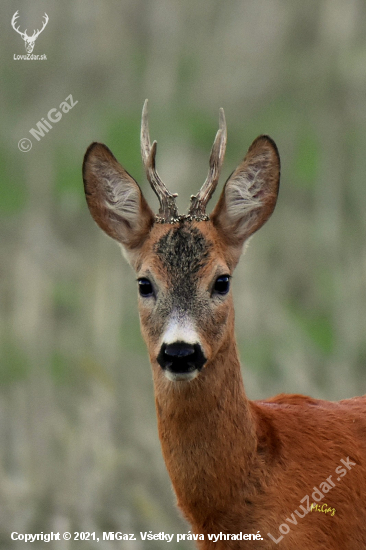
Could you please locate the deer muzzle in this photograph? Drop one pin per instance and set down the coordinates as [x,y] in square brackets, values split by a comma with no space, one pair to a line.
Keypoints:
[181,360]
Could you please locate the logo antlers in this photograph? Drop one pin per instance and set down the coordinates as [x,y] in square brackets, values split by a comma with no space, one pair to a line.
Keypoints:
[29,40]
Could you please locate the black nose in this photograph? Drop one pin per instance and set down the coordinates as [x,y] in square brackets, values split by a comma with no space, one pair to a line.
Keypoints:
[181,357]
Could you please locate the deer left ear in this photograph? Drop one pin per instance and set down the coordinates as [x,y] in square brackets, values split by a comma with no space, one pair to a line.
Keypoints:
[250,194]
[115,200]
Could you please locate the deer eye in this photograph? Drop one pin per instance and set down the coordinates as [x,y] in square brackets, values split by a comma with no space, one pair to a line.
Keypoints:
[222,285]
[145,288]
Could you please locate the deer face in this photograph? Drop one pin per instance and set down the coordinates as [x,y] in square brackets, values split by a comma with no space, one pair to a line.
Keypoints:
[184,297]
[29,44]
[183,263]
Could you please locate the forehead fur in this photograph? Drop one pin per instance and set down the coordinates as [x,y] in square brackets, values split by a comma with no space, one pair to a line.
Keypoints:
[183,249]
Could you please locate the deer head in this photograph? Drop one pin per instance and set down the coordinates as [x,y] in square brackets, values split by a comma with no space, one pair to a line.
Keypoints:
[184,263]
[29,40]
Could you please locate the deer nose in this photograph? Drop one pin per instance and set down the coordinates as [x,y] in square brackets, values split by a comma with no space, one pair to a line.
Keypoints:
[179,349]
[181,358]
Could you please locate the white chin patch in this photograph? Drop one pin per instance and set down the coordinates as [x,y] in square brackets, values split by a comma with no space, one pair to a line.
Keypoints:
[181,376]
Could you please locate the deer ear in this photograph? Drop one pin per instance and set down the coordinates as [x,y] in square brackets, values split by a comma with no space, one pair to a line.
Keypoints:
[114,198]
[250,194]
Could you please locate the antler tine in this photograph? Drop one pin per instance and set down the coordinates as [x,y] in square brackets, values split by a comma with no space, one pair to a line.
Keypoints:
[38,32]
[168,211]
[199,201]
[13,21]
[14,18]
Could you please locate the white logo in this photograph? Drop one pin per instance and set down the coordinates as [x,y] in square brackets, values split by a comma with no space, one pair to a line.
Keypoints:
[29,40]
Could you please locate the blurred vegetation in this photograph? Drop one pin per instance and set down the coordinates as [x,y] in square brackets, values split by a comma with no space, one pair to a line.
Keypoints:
[78,442]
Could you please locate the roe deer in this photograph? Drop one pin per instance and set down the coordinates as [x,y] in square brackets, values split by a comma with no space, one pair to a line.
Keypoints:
[245,473]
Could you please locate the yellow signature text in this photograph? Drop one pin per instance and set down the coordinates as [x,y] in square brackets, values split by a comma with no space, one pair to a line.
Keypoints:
[322,508]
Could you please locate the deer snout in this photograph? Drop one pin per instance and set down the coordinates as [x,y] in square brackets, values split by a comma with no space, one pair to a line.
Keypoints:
[181,360]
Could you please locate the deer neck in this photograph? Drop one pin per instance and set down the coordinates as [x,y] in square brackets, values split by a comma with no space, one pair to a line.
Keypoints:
[208,435]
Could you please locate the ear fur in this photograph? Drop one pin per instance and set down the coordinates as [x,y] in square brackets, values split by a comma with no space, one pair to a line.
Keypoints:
[249,195]
[114,198]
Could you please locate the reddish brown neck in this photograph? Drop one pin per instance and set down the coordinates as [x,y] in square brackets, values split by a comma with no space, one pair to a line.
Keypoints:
[208,436]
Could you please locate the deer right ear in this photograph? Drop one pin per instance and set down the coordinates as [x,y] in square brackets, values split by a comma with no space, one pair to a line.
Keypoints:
[114,198]
[249,195]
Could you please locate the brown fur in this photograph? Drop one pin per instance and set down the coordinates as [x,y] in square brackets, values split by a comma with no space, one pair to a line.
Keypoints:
[237,466]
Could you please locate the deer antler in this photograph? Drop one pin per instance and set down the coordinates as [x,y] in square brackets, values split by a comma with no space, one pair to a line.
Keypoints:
[38,32]
[197,210]
[168,211]
[14,18]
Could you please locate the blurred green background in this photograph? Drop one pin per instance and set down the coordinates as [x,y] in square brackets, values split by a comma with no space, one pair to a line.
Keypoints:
[79,449]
